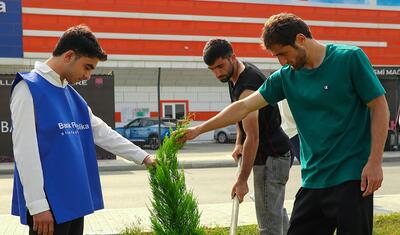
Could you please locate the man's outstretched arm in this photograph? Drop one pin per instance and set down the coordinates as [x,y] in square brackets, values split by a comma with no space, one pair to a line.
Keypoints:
[230,115]
[110,140]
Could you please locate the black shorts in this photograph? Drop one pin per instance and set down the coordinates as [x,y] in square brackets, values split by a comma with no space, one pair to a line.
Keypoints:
[294,145]
[341,207]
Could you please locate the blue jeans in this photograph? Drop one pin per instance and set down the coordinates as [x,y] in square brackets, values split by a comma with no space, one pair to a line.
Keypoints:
[269,194]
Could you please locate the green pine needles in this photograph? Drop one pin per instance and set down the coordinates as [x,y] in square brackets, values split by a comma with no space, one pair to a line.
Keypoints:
[175,210]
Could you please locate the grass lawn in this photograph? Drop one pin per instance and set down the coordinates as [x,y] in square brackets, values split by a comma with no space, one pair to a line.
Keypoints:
[383,225]
[387,224]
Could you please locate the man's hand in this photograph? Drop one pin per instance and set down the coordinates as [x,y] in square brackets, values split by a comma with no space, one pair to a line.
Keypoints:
[43,223]
[371,177]
[237,152]
[240,189]
[188,134]
[150,161]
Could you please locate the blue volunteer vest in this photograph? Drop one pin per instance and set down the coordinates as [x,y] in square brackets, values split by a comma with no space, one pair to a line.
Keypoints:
[67,152]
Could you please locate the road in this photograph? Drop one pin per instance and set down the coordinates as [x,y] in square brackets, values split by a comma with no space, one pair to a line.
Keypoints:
[130,189]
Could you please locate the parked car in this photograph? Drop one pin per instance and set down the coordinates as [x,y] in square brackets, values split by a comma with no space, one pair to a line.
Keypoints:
[144,131]
[226,134]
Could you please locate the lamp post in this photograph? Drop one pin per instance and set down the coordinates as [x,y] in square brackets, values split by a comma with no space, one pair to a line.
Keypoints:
[159,105]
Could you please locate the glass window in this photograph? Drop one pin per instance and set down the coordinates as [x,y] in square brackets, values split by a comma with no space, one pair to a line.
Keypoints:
[180,111]
[146,122]
[134,123]
[168,113]
[174,109]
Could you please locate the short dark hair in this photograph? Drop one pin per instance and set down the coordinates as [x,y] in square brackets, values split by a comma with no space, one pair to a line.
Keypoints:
[82,41]
[282,29]
[216,48]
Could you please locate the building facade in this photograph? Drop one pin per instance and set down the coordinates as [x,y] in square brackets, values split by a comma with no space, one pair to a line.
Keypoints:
[142,36]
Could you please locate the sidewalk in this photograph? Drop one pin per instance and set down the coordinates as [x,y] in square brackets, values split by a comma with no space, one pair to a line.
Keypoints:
[113,221]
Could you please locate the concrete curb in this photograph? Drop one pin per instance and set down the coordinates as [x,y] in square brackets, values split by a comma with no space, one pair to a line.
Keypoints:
[7,170]
[183,164]
[391,159]
[198,164]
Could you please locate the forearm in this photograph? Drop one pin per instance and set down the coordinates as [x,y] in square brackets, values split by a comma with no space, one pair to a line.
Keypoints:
[379,127]
[238,135]
[230,115]
[250,147]
[233,113]
[118,145]
[105,137]
[379,130]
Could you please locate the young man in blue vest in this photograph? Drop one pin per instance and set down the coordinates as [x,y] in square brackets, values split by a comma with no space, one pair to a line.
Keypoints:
[342,119]
[56,179]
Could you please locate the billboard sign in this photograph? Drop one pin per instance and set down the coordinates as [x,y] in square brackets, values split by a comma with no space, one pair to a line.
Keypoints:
[390,79]
[11,29]
[98,92]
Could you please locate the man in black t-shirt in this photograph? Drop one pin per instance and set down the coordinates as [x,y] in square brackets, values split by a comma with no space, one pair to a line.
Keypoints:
[260,140]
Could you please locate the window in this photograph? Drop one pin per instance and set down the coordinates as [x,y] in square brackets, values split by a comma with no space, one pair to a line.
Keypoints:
[174,109]
[168,113]
[134,123]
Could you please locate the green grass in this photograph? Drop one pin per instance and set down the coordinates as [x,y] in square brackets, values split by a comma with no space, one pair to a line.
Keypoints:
[242,230]
[383,225]
[387,224]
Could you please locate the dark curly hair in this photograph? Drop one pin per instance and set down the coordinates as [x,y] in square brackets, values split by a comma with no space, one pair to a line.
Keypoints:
[82,41]
[282,29]
[216,48]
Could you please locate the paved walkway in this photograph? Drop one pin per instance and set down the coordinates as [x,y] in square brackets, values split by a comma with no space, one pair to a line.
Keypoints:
[113,221]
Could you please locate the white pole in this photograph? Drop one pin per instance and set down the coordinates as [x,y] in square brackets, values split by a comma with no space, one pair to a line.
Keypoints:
[235,205]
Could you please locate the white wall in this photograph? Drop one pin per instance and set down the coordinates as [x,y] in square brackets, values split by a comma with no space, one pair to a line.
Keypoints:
[136,88]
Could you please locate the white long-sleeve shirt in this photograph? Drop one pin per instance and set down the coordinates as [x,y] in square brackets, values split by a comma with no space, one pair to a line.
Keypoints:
[25,144]
[288,123]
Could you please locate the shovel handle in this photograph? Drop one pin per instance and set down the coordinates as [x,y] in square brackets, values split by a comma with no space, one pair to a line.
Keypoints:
[235,205]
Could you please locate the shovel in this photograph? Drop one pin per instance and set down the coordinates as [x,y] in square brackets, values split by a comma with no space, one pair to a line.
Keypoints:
[235,204]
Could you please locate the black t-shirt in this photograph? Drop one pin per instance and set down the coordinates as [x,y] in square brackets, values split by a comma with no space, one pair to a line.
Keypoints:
[272,139]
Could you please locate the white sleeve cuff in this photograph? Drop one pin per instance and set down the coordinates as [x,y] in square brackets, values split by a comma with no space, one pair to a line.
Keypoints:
[141,155]
[38,206]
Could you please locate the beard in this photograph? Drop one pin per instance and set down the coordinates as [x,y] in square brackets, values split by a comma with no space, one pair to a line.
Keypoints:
[229,75]
[301,59]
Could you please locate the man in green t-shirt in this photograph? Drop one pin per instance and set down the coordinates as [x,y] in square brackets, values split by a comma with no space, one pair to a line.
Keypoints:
[342,118]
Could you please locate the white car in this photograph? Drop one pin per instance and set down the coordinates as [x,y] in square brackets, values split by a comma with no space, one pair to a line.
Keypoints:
[226,134]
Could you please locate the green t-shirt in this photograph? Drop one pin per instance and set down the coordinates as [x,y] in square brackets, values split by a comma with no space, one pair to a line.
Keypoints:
[329,105]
